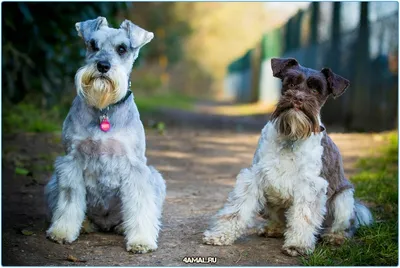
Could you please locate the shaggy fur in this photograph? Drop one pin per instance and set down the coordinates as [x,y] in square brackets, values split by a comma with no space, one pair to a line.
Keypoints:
[104,175]
[296,180]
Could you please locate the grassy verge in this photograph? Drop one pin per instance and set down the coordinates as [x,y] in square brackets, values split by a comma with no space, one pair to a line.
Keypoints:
[377,185]
[28,117]
[147,103]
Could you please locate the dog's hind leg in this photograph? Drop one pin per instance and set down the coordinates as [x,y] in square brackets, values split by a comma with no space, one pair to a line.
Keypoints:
[347,215]
[51,197]
[142,195]
[66,199]
[158,184]
[237,214]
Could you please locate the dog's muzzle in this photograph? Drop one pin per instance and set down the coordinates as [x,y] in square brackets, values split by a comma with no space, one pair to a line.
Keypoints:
[100,85]
[296,116]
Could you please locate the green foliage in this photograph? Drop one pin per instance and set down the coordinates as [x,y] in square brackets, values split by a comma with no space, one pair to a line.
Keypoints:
[28,117]
[169,28]
[378,181]
[41,53]
[41,49]
[147,82]
[377,244]
[154,102]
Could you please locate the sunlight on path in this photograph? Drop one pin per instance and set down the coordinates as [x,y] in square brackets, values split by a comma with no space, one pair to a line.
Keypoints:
[235,109]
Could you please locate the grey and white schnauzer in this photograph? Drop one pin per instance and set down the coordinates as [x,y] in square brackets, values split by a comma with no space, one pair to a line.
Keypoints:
[104,174]
[296,180]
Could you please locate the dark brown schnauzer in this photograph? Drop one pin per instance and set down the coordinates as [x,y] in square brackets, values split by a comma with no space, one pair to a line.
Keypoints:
[300,189]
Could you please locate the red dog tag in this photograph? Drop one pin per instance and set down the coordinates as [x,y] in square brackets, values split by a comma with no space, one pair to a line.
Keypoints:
[105,124]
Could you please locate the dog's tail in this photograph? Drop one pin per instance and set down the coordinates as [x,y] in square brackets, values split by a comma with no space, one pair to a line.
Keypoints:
[363,214]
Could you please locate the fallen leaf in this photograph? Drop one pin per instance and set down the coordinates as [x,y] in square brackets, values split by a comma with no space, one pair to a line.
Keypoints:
[74,259]
[160,127]
[21,171]
[27,232]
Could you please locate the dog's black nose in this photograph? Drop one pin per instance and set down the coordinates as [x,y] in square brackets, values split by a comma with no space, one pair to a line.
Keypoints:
[103,66]
[298,99]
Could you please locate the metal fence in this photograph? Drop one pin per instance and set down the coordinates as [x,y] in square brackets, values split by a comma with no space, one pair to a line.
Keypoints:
[358,40]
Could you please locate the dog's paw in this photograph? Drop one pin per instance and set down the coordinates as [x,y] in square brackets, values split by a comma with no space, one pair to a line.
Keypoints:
[119,229]
[218,239]
[271,231]
[88,227]
[61,235]
[334,239]
[140,248]
[294,251]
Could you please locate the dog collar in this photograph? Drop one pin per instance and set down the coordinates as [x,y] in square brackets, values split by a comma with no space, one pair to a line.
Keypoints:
[105,124]
[121,100]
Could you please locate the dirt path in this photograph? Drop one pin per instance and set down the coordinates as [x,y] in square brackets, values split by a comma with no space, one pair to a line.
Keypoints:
[200,168]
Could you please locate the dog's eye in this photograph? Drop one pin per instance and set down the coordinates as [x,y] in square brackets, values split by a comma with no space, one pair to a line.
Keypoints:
[93,45]
[315,89]
[291,85]
[121,49]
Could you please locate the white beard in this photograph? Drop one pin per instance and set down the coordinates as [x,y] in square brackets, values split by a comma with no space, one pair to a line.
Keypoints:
[293,125]
[100,91]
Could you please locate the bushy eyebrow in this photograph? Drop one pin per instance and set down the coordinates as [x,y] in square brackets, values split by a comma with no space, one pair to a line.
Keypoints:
[314,81]
[294,78]
[119,40]
[123,44]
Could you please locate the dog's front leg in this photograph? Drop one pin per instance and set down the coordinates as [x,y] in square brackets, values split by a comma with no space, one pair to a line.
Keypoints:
[305,217]
[70,200]
[237,214]
[140,211]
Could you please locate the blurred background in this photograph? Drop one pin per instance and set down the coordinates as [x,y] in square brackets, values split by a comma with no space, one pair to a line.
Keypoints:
[358,40]
[206,57]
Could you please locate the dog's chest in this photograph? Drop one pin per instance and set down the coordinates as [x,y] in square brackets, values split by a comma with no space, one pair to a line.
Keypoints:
[102,161]
[289,168]
[92,148]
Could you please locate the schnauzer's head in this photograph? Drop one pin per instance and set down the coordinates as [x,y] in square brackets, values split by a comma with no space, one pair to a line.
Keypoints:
[110,54]
[304,92]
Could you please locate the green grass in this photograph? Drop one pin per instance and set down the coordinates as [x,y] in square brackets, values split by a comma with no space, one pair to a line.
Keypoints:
[377,185]
[26,117]
[152,103]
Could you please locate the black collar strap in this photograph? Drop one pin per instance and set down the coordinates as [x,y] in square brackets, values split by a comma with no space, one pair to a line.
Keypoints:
[105,110]
[128,93]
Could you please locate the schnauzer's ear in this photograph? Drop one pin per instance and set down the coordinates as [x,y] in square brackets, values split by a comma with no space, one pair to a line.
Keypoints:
[278,65]
[336,84]
[138,36]
[86,28]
